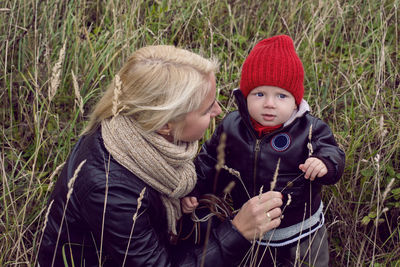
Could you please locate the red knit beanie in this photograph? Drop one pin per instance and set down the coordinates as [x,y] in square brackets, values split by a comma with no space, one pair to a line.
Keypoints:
[274,62]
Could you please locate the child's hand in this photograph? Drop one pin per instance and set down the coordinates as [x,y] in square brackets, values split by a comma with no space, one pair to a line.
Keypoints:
[313,168]
[189,204]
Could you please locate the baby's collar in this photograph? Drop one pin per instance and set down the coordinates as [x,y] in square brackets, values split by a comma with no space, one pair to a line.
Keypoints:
[303,108]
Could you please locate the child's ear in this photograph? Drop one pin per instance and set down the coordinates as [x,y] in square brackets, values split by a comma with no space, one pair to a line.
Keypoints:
[165,130]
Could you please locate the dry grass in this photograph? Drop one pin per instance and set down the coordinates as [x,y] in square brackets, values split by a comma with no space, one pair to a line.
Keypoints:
[350,52]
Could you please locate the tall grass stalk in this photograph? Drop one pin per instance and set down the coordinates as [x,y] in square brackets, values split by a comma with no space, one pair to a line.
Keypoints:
[350,52]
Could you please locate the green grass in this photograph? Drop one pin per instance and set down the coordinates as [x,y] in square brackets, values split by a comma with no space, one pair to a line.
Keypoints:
[350,52]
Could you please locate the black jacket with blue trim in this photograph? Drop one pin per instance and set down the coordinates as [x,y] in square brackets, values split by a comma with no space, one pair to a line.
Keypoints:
[256,160]
[97,220]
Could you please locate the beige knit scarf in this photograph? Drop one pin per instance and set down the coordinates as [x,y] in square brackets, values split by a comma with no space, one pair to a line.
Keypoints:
[166,167]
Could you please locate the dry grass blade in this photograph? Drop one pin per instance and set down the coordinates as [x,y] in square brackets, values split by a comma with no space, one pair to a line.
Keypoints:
[56,74]
[237,175]
[309,145]
[46,217]
[228,189]
[70,186]
[387,189]
[139,204]
[72,180]
[78,97]
[260,191]
[117,94]
[55,172]
[218,166]
[275,178]
[221,152]
[289,200]
[350,57]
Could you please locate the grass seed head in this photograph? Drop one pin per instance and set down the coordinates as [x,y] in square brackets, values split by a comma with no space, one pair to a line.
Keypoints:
[46,217]
[72,181]
[56,74]
[289,200]
[78,97]
[309,145]
[229,187]
[387,189]
[139,203]
[221,152]
[275,178]
[117,93]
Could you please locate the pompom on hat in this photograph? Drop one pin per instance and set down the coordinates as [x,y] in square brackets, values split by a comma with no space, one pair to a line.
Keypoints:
[274,62]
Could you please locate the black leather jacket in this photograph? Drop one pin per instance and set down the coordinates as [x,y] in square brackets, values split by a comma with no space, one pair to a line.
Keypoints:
[256,160]
[98,217]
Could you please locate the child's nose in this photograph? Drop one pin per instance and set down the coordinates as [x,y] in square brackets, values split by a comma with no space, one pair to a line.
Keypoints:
[269,102]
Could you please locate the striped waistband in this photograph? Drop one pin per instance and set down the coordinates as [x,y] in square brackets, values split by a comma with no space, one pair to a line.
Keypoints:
[285,236]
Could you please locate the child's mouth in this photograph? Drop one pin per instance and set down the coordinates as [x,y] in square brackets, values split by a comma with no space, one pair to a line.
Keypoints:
[268,117]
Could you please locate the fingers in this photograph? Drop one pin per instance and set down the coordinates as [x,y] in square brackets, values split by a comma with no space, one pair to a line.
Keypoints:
[273,214]
[186,207]
[271,220]
[186,210]
[193,201]
[259,215]
[275,222]
[313,168]
[268,196]
[269,200]
[189,204]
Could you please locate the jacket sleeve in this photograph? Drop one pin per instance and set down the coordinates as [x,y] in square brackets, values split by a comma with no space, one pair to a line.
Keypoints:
[205,163]
[226,247]
[113,223]
[139,243]
[326,149]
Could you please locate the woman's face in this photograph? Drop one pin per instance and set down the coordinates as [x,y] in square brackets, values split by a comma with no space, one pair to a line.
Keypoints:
[196,122]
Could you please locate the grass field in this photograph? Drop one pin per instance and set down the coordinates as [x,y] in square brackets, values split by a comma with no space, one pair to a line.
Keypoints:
[58,56]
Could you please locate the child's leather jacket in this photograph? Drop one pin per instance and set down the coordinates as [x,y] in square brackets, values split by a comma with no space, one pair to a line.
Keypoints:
[256,160]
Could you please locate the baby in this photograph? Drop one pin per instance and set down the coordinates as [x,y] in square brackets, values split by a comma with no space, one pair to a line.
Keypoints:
[271,131]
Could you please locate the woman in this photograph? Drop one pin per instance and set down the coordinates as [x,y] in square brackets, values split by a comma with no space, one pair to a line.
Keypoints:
[117,199]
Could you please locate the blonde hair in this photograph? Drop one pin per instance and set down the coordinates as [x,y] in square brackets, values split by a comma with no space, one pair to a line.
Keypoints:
[157,85]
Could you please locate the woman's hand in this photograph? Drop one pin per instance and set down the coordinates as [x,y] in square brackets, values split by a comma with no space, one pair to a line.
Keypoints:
[259,215]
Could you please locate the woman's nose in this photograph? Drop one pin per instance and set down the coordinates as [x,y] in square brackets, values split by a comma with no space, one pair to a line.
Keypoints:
[216,110]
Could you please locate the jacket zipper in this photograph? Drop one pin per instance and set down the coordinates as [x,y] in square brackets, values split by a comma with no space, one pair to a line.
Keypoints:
[256,152]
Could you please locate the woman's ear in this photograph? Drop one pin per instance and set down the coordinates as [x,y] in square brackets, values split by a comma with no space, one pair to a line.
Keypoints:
[165,130]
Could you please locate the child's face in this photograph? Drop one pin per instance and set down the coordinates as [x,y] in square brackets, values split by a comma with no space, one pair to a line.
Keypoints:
[270,105]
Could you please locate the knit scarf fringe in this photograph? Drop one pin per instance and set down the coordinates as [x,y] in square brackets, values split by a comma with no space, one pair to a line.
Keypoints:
[164,166]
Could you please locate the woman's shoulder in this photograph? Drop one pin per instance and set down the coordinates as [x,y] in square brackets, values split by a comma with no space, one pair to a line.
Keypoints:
[100,169]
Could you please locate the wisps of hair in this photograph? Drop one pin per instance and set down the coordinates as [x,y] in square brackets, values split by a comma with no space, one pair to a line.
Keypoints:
[158,84]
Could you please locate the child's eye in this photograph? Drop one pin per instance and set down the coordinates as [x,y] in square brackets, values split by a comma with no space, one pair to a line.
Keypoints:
[259,94]
[282,96]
